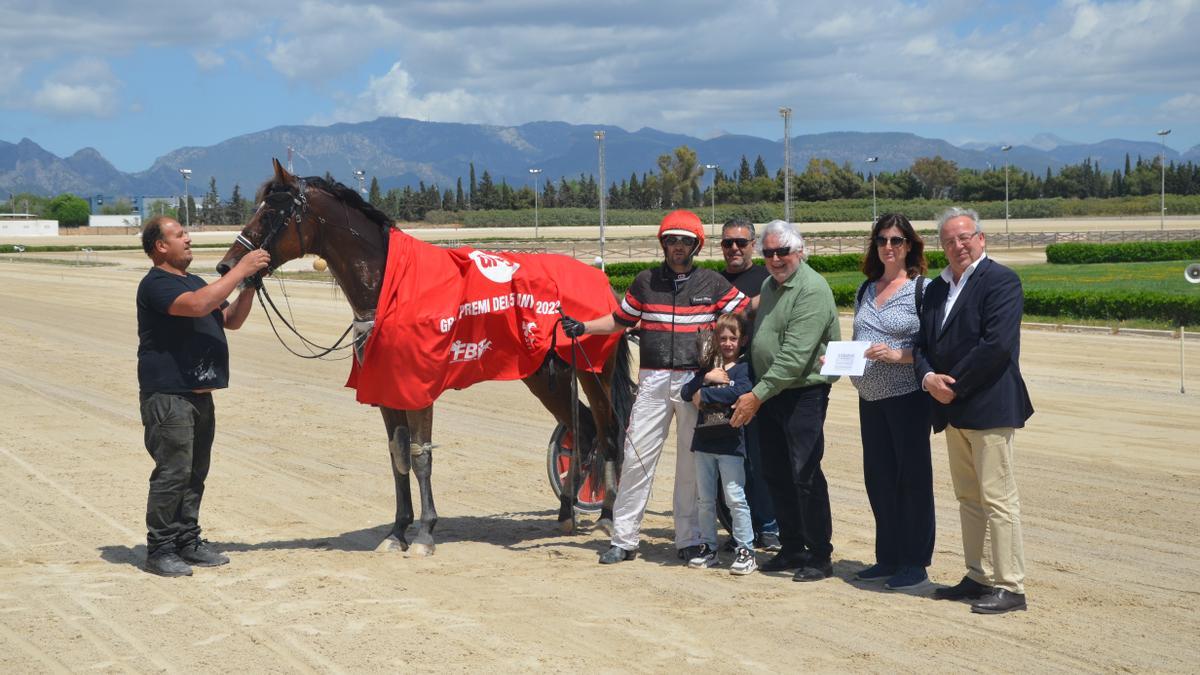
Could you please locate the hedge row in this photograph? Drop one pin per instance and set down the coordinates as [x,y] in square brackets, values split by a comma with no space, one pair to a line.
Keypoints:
[838,210]
[1116,305]
[835,262]
[1082,254]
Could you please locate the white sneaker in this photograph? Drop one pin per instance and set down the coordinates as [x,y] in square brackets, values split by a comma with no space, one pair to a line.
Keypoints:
[743,562]
[706,559]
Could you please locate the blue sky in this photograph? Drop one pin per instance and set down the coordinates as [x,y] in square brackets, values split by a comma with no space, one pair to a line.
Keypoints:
[137,79]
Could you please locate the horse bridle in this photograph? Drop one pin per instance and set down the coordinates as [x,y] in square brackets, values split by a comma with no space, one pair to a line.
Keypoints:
[284,208]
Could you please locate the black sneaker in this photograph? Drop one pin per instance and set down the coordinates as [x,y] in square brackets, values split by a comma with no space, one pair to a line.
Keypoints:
[769,541]
[785,561]
[167,565]
[199,553]
[688,552]
[814,570]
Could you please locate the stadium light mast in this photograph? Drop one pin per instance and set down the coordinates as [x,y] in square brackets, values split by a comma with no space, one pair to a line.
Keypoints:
[1005,148]
[786,113]
[713,168]
[361,176]
[874,204]
[599,134]
[534,173]
[1162,205]
[187,206]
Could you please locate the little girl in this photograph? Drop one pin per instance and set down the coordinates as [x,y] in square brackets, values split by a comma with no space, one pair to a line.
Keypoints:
[718,448]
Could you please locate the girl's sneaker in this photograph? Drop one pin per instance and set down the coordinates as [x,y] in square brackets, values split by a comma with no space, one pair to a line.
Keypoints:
[743,562]
[707,557]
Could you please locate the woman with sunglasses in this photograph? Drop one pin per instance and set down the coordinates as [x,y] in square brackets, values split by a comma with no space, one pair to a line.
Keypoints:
[894,414]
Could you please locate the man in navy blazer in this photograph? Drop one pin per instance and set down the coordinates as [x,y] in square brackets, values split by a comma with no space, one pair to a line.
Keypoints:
[966,356]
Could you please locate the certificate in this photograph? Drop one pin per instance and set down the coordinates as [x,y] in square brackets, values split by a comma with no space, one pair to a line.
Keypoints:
[845,358]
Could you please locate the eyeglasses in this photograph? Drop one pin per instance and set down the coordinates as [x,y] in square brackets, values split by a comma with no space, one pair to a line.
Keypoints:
[780,252]
[961,240]
[730,243]
[677,239]
[894,242]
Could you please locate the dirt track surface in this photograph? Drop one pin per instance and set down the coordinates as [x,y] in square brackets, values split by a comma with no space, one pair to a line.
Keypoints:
[300,494]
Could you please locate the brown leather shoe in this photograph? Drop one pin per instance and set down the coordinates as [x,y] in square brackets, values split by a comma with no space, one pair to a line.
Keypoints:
[999,602]
[967,589]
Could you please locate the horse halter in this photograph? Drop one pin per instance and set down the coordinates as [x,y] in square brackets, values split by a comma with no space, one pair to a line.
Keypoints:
[282,208]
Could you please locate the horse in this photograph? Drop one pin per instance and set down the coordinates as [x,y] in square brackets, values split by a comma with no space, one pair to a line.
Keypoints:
[297,216]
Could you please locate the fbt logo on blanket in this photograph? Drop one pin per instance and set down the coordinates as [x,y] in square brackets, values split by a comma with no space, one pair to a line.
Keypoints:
[468,351]
[494,267]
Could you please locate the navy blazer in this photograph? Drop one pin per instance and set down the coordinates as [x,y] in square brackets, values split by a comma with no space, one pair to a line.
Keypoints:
[979,346]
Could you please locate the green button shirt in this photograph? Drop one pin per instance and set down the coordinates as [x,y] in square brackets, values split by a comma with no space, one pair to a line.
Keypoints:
[795,320]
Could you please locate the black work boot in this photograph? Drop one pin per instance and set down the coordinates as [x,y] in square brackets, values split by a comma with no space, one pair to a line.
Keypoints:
[199,553]
[167,565]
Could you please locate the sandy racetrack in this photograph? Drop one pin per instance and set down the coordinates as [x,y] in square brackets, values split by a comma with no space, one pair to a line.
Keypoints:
[300,493]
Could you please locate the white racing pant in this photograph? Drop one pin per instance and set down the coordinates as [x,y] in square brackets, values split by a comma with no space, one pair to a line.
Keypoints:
[656,404]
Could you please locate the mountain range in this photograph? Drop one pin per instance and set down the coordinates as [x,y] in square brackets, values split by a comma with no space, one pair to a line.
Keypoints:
[399,152]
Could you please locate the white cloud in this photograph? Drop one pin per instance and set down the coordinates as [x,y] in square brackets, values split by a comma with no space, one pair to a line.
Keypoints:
[207,59]
[1184,107]
[84,89]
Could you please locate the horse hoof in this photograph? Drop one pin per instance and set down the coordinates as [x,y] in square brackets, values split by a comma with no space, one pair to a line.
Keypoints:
[566,526]
[606,525]
[421,550]
[392,543]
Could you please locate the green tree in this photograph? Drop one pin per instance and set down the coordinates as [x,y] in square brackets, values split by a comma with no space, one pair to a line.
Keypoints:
[939,176]
[237,206]
[374,196]
[68,210]
[471,194]
[744,174]
[210,206]
[760,168]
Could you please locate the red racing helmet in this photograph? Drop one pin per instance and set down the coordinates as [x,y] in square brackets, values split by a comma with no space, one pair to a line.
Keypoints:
[685,223]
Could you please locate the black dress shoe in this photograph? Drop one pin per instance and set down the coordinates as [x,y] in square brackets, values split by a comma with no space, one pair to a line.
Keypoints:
[967,589]
[781,562]
[999,602]
[814,571]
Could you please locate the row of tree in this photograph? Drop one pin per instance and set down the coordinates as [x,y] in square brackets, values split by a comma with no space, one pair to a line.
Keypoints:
[677,184]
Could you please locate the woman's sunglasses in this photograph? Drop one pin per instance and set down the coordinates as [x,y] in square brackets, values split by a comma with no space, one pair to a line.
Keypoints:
[894,242]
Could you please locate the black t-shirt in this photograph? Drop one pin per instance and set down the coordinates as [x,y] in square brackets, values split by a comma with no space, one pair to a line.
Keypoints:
[178,354]
[748,281]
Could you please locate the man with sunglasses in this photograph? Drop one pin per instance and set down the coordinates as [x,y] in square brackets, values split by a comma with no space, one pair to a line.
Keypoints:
[672,303]
[737,245]
[796,319]
[966,356]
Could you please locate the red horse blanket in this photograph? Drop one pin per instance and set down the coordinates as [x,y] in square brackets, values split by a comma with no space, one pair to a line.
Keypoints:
[448,318]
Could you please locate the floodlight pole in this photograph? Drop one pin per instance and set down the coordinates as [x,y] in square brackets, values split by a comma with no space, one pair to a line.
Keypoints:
[874,205]
[361,176]
[786,113]
[187,206]
[1162,216]
[1005,148]
[713,168]
[599,134]
[534,173]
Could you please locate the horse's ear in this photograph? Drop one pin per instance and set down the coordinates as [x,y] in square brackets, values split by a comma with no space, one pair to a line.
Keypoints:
[281,174]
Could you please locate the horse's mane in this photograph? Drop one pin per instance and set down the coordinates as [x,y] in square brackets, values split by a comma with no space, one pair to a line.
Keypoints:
[347,195]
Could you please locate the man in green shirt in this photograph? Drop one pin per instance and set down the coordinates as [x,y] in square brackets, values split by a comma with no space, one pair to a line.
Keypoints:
[796,319]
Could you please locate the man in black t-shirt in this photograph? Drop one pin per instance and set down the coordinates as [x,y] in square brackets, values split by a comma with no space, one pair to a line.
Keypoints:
[737,245]
[182,358]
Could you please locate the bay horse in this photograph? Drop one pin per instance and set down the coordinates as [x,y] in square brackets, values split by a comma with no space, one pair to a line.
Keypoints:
[298,216]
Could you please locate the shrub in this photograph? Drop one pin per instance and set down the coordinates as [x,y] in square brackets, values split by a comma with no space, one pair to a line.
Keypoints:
[1081,253]
[1118,305]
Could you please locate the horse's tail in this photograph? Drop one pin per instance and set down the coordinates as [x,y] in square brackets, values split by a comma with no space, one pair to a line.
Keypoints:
[623,389]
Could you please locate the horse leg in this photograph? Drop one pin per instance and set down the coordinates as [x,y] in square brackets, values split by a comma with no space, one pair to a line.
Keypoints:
[597,390]
[551,386]
[420,425]
[398,444]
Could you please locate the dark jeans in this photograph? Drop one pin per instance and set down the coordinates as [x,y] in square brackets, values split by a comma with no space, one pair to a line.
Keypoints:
[762,510]
[899,476]
[792,440]
[179,436]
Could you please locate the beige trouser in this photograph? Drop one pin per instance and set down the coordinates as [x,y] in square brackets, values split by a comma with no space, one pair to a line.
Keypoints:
[981,465]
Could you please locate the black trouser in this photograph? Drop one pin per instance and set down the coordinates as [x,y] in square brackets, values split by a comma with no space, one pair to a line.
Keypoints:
[179,436]
[762,510]
[792,438]
[899,476]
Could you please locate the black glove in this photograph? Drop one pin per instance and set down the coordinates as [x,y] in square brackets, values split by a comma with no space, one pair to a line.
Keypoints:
[572,327]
